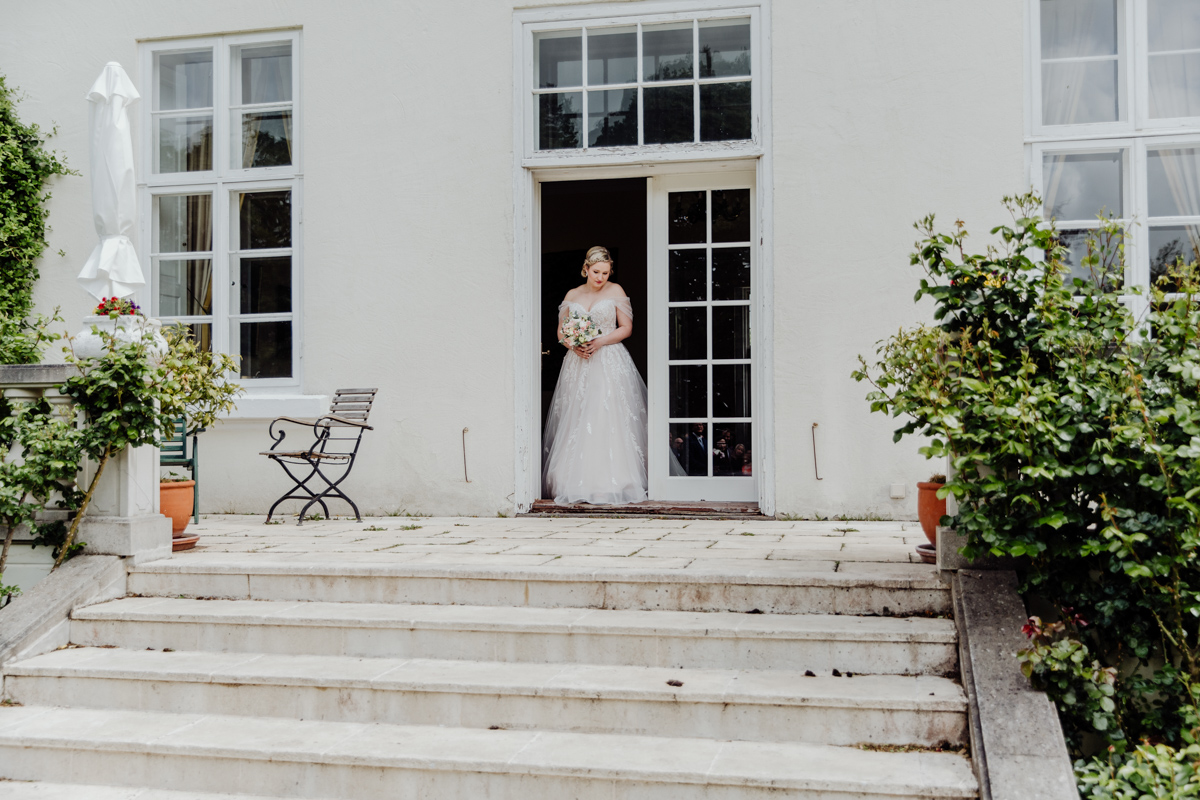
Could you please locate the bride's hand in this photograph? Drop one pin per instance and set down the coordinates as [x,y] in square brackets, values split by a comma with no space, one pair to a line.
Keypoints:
[582,351]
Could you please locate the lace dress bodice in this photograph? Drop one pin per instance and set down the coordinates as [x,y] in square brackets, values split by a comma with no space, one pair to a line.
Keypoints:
[603,311]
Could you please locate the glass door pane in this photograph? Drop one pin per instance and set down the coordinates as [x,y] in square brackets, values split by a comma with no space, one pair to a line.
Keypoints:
[704,358]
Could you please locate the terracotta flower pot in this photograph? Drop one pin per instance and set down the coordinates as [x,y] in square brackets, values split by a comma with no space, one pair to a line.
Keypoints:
[175,499]
[930,509]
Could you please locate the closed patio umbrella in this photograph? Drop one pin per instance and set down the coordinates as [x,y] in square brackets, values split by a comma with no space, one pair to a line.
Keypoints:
[112,270]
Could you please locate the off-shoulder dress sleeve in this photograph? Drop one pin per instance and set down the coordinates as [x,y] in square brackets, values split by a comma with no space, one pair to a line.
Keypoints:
[625,306]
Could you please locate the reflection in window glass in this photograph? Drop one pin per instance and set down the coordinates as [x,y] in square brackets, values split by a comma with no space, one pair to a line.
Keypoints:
[612,118]
[1079,186]
[1169,247]
[559,120]
[688,391]
[731,449]
[1078,92]
[690,445]
[1173,182]
[612,56]
[185,80]
[667,114]
[1173,25]
[731,390]
[724,49]
[184,223]
[265,219]
[266,139]
[667,51]
[1079,28]
[687,218]
[267,74]
[185,287]
[266,285]
[1110,275]
[184,144]
[724,111]
[1174,30]
[731,215]
[266,349]
[686,279]
[560,59]
[731,332]
[731,273]
[687,335]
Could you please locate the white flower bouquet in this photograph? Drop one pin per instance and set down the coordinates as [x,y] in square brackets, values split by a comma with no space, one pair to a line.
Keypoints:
[579,329]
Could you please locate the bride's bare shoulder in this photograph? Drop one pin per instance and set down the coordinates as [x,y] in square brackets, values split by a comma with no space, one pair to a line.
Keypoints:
[616,290]
[572,294]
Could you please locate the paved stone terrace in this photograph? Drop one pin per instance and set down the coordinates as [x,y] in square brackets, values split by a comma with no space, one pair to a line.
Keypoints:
[601,543]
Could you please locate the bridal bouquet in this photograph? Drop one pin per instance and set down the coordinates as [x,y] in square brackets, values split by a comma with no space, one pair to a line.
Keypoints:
[579,329]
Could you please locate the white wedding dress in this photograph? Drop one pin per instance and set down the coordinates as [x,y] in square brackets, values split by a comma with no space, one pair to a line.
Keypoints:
[594,446]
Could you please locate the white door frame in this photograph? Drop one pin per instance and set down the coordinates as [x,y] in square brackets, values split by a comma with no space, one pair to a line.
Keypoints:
[662,485]
[527,308]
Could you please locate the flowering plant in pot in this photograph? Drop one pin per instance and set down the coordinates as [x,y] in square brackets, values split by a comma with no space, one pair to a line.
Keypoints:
[133,390]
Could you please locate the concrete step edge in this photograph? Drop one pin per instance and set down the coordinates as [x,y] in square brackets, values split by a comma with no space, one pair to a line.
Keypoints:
[578,757]
[577,681]
[822,627]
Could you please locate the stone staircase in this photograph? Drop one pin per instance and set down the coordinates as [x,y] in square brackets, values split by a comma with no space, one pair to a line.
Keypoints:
[232,674]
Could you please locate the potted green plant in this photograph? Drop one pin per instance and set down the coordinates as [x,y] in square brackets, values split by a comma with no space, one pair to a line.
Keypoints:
[930,511]
[132,392]
[176,498]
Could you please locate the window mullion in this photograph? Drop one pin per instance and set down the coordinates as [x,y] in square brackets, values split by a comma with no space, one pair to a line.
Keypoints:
[583,82]
[641,79]
[220,267]
[695,80]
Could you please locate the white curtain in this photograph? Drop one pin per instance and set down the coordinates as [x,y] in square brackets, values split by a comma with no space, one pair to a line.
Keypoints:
[1062,83]
[1174,79]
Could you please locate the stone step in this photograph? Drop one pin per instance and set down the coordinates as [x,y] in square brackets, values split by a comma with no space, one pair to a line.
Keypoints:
[716,584]
[38,790]
[294,758]
[716,640]
[717,704]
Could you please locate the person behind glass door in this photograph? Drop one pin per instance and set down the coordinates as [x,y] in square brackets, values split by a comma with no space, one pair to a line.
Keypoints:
[697,451]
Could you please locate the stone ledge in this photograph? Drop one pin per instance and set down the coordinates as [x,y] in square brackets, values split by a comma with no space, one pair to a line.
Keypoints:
[28,623]
[12,375]
[1017,743]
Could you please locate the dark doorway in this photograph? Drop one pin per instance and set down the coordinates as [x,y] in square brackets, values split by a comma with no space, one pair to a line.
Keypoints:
[575,216]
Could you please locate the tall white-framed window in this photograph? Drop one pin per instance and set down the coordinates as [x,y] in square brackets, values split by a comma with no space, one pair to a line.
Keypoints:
[679,81]
[1115,127]
[222,187]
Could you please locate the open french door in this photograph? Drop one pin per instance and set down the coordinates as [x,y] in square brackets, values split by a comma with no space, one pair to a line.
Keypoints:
[704,252]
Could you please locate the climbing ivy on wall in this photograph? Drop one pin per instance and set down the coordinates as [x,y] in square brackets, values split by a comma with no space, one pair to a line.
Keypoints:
[26,166]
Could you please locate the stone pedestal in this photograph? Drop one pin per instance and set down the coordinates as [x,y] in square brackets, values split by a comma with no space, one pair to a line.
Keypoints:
[123,517]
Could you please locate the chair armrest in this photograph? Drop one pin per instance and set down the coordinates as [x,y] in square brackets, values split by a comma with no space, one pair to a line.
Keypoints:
[345,421]
[308,422]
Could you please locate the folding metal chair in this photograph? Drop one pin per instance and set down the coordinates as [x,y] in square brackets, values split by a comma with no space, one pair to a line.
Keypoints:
[338,435]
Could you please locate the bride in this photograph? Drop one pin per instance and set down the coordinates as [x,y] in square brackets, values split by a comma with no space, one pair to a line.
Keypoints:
[594,447]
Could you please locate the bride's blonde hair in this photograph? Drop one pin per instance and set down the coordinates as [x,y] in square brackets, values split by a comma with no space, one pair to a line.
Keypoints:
[596,255]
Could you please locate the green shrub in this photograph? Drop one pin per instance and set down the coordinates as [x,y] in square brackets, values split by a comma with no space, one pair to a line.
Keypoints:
[1149,771]
[25,168]
[1074,440]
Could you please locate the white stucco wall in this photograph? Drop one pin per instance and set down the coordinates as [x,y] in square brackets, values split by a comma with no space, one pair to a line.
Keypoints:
[883,111]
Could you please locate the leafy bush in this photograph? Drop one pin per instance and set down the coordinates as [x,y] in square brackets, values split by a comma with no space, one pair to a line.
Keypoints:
[1149,771]
[132,393]
[1074,440]
[39,458]
[25,168]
